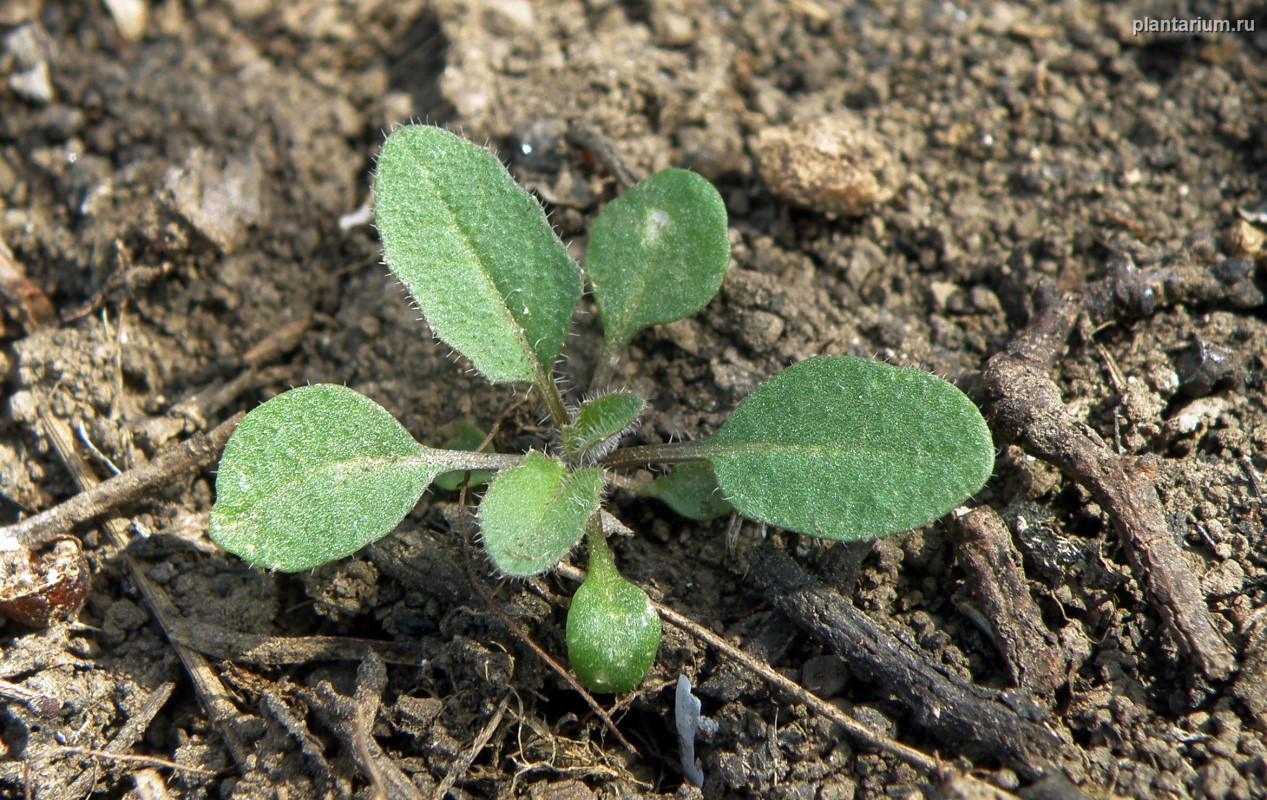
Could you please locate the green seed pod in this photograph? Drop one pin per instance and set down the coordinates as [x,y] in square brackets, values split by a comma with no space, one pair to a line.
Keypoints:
[613,633]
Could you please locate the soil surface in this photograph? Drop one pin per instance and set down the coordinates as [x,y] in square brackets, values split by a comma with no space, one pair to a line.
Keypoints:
[190,190]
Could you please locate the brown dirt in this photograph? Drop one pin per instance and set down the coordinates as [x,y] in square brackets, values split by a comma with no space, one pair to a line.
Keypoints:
[185,192]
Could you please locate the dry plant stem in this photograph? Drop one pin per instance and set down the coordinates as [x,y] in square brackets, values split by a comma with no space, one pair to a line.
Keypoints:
[858,732]
[120,285]
[319,770]
[127,736]
[39,704]
[463,764]
[969,718]
[1025,406]
[586,136]
[522,635]
[223,644]
[211,691]
[350,719]
[255,374]
[197,452]
[202,406]
[997,577]
[371,680]
[279,341]
[122,758]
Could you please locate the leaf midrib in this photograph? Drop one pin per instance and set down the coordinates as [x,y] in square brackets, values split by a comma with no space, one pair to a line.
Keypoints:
[712,448]
[467,240]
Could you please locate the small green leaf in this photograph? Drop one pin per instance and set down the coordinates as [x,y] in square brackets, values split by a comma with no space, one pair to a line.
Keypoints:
[613,633]
[475,251]
[848,449]
[657,254]
[463,436]
[691,490]
[599,425]
[533,514]
[315,474]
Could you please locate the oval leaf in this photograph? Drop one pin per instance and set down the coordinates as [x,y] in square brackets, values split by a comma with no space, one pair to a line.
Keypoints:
[657,254]
[848,449]
[315,474]
[599,425]
[475,251]
[533,514]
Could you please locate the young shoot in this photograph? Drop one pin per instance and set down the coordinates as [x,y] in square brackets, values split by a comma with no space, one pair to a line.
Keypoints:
[837,447]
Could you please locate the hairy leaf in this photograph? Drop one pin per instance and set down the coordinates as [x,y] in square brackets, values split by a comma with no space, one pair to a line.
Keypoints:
[533,514]
[657,253]
[691,490]
[315,474]
[475,251]
[599,424]
[848,449]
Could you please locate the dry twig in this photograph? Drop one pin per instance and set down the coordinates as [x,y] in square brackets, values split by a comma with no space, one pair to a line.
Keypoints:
[350,720]
[997,578]
[222,713]
[223,644]
[123,758]
[967,717]
[197,452]
[1024,404]
[463,764]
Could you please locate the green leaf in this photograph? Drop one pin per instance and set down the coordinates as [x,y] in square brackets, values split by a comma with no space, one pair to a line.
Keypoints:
[533,514]
[463,436]
[315,474]
[657,254]
[848,449]
[613,633]
[691,490]
[475,251]
[599,425]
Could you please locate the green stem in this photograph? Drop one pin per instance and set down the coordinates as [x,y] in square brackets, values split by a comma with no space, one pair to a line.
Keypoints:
[606,366]
[634,486]
[602,563]
[549,391]
[669,453]
[455,460]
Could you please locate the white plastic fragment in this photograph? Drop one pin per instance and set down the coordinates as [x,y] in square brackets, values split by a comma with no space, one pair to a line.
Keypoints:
[689,721]
[361,216]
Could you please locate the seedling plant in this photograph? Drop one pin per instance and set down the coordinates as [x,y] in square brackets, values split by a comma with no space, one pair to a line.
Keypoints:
[837,447]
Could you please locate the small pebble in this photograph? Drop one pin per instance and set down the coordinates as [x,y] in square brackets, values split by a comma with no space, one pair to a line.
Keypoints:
[834,165]
[1245,240]
[1202,366]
